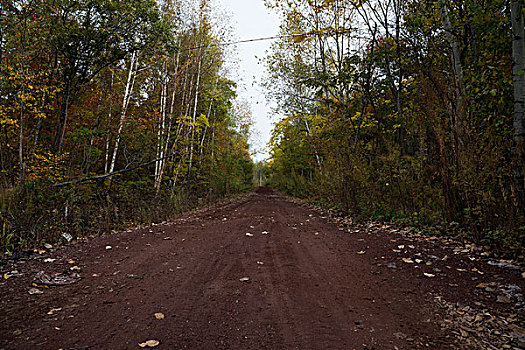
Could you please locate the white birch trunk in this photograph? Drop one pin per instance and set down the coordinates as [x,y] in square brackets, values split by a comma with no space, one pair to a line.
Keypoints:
[458,72]
[162,127]
[125,102]
[194,118]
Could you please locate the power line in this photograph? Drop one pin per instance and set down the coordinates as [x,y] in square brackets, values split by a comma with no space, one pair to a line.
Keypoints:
[272,38]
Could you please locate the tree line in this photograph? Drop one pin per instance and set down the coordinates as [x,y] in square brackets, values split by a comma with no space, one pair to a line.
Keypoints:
[404,110]
[112,113]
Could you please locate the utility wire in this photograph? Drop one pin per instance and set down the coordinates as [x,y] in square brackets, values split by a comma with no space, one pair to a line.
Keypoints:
[272,38]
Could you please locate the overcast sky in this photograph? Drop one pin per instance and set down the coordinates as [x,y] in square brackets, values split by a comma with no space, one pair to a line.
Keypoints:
[251,19]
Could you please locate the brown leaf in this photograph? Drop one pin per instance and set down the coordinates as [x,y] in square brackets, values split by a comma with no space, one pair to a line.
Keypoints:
[503,299]
[33,291]
[159,316]
[149,344]
[53,310]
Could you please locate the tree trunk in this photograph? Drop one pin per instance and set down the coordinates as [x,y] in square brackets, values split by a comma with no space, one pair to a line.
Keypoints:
[22,106]
[171,114]
[518,55]
[194,118]
[458,73]
[125,102]
[162,127]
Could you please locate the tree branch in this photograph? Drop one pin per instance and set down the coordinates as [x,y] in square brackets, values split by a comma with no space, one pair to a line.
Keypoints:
[122,171]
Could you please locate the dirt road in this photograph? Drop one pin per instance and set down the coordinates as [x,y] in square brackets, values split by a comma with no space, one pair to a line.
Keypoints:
[258,273]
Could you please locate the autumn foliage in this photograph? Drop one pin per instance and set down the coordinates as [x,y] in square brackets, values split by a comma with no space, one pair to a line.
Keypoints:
[113,113]
[402,110]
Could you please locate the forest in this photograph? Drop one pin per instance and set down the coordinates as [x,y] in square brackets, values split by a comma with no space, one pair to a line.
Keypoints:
[113,113]
[138,210]
[406,111]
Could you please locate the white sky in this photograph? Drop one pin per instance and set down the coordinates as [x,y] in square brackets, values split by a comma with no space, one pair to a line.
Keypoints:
[250,20]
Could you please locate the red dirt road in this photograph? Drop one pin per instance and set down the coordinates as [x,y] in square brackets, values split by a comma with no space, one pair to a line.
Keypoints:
[309,287]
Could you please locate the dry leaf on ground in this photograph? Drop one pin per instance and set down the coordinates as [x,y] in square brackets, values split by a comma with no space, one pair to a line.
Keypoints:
[149,344]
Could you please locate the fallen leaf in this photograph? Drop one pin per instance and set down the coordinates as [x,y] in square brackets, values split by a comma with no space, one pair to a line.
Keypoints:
[453,285]
[108,247]
[56,279]
[408,260]
[523,275]
[149,344]
[33,291]
[71,261]
[429,275]
[49,260]
[244,279]
[159,316]
[53,310]
[461,270]
[248,234]
[265,232]
[361,252]
[48,246]
[260,263]
[503,299]
[17,332]
[75,268]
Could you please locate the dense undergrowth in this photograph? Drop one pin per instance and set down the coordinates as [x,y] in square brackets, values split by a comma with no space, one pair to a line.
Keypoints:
[130,101]
[413,113]
[40,213]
